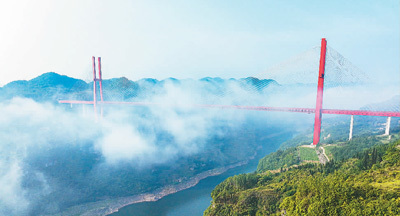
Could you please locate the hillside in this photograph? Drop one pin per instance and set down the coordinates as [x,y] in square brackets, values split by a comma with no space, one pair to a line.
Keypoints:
[366,183]
[46,87]
[51,87]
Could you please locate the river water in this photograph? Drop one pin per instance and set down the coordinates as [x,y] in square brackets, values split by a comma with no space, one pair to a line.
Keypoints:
[193,201]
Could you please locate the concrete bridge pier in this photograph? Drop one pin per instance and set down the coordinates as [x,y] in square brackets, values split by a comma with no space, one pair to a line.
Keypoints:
[351,127]
[387,130]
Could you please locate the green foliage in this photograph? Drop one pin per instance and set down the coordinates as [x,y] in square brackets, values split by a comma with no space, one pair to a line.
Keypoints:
[239,198]
[338,194]
[328,150]
[369,158]
[353,147]
[308,154]
[367,184]
[279,159]
[286,158]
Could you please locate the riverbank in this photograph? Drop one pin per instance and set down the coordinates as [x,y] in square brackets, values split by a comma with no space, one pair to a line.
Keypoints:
[110,206]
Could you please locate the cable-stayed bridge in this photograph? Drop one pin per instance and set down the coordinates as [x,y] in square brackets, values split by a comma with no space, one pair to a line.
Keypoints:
[340,70]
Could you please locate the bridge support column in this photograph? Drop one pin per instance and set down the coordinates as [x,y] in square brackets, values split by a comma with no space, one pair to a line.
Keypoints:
[320,93]
[351,127]
[387,130]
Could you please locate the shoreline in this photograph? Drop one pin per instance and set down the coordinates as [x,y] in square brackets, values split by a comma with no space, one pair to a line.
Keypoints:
[108,207]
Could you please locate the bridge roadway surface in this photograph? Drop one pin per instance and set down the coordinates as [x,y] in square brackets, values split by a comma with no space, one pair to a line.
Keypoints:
[258,108]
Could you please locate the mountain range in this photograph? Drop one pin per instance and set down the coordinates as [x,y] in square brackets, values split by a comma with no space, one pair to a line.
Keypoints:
[51,87]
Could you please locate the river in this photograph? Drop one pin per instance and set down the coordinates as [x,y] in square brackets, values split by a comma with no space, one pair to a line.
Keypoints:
[195,200]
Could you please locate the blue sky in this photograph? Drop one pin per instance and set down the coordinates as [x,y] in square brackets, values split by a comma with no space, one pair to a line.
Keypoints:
[192,39]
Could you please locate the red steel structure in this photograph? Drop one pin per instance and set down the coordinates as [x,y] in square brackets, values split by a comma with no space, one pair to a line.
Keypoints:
[94,85]
[320,93]
[318,110]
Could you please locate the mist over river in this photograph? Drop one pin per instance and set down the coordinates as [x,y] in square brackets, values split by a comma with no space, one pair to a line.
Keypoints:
[60,160]
[195,200]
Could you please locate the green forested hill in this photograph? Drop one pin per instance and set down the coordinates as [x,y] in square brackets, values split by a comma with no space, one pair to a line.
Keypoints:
[300,154]
[366,184]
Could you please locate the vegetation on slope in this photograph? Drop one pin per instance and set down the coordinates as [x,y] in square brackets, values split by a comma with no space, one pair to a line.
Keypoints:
[366,183]
[279,159]
[307,154]
[286,158]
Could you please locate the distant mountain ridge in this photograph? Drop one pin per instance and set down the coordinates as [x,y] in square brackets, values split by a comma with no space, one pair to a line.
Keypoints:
[393,104]
[45,87]
[52,87]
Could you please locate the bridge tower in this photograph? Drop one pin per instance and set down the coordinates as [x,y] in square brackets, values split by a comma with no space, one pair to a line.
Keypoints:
[101,86]
[95,80]
[94,87]
[320,93]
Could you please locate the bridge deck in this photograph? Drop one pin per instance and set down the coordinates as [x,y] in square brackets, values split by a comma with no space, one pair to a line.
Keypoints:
[259,108]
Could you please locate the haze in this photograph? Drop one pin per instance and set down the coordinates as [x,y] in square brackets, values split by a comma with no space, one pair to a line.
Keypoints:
[191,39]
